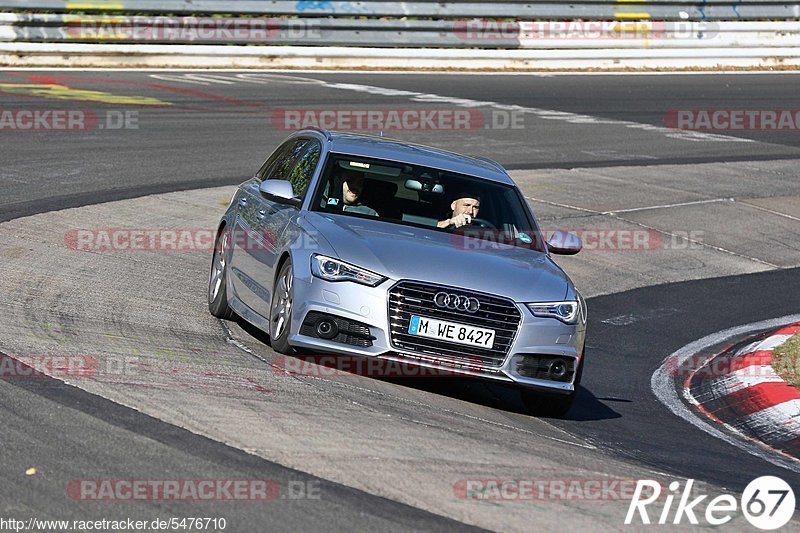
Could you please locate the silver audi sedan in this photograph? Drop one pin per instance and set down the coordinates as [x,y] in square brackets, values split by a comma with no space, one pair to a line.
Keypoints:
[356,245]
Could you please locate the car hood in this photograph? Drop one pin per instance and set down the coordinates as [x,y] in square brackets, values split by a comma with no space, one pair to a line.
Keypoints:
[405,252]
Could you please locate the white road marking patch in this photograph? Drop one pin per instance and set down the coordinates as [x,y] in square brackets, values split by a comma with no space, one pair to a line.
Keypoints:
[547,114]
[616,154]
[189,78]
[627,320]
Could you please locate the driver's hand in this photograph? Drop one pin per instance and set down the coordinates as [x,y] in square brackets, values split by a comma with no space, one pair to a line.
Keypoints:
[461,220]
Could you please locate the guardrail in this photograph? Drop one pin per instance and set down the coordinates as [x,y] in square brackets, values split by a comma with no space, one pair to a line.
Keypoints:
[539,9]
[395,33]
[477,34]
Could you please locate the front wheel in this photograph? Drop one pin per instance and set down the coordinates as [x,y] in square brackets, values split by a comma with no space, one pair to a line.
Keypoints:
[217,290]
[280,317]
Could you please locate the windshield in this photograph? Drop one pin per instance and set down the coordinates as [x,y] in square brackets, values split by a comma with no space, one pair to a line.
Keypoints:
[420,196]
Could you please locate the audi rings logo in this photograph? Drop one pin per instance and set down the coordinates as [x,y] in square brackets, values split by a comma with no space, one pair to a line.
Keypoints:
[454,301]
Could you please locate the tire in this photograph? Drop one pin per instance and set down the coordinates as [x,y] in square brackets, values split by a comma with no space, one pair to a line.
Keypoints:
[551,406]
[217,280]
[280,316]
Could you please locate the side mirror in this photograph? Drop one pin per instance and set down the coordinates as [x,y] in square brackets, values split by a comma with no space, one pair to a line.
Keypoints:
[279,190]
[564,243]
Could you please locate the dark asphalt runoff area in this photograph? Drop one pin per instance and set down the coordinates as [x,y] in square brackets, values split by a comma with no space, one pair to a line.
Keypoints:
[198,132]
[616,406]
[195,133]
[65,432]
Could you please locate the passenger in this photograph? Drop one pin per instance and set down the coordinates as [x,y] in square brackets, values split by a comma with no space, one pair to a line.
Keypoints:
[352,187]
[464,210]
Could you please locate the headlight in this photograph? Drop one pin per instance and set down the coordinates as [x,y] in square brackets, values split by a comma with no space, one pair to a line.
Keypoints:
[566,312]
[331,269]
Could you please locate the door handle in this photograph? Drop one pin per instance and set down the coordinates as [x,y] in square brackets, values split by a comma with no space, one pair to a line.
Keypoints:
[243,202]
[261,215]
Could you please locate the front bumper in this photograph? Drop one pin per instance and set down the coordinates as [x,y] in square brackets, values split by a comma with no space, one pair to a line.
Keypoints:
[536,338]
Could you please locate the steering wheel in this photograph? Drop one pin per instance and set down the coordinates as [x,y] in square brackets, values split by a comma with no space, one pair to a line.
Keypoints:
[481,223]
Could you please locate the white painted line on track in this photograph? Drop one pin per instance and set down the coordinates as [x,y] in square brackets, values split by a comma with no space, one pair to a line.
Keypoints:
[542,73]
[209,77]
[663,232]
[573,118]
[556,204]
[778,213]
[663,386]
[545,114]
[201,79]
[666,206]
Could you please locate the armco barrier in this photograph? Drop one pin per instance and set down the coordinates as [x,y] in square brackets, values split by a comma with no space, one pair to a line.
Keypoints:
[548,9]
[549,34]
[396,33]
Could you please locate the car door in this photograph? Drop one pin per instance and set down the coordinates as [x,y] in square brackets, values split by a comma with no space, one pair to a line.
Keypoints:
[262,221]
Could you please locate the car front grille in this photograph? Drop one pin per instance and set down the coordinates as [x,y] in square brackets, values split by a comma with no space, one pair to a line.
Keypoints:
[408,298]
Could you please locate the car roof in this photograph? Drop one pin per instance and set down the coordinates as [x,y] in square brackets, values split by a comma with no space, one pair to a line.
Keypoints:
[415,154]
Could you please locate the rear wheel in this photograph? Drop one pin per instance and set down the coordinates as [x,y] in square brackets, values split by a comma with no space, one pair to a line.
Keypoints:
[551,406]
[280,317]
[217,290]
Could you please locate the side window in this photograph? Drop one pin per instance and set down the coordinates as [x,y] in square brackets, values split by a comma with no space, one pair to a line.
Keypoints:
[304,167]
[277,156]
[295,162]
[283,166]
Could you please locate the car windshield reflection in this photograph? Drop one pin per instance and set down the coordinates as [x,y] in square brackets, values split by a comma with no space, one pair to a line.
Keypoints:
[419,196]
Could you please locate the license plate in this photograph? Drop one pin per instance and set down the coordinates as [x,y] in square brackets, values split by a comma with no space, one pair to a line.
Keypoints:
[451,332]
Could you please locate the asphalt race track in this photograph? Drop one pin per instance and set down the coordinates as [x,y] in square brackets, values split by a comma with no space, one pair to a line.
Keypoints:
[720,211]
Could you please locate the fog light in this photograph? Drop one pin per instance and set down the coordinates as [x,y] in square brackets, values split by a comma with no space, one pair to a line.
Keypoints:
[558,369]
[327,328]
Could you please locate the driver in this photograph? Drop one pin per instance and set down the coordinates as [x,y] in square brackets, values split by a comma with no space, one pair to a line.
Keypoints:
[464,210]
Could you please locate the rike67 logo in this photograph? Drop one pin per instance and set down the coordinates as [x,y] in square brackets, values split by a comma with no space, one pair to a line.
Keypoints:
[767,503]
